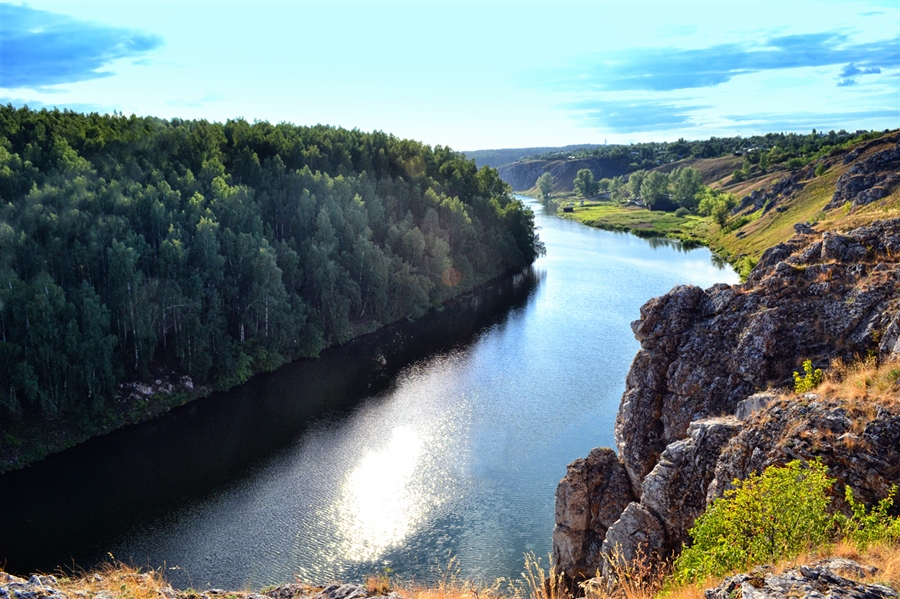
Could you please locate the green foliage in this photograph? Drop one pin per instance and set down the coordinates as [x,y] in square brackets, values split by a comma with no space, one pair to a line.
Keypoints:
[635,182]
[654,189]
[738,175]
[820,170]
[585,186]
[795,163]
[682,212]
[866,527]
[130,245]
[809,380]
[687,184]
[767,517]
[545,185]
[716,204]
[643,156]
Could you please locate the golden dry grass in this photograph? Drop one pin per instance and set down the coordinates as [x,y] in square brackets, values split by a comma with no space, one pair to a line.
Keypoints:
[863,383]
[122,581]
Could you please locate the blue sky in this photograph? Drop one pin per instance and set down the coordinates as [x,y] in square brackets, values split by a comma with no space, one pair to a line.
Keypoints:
[465,74]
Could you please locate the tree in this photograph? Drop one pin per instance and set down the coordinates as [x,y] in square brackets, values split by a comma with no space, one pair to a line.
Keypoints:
[545,185]
[654,189]
[717,204]
[686,185]
[635,180]
[585,186]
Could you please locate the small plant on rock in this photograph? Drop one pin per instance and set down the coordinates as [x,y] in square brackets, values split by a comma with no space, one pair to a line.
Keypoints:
[810,379]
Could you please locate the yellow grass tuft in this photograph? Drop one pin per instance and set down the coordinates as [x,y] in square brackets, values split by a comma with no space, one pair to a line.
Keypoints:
[863,382]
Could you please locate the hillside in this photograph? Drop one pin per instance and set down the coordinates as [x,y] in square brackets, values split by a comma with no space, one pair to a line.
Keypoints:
[143,259]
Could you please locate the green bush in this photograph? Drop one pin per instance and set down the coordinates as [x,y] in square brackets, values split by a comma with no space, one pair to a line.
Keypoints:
[820,170]
[864,528]
[767,517]
[810,379]
[682,212]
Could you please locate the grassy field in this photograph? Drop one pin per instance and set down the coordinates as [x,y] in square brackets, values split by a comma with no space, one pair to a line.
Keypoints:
[640,221]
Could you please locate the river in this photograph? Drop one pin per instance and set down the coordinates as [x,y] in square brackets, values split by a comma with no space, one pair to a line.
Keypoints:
[437,440]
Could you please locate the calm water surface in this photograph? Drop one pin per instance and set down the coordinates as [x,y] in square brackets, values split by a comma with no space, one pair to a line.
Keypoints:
[389,454]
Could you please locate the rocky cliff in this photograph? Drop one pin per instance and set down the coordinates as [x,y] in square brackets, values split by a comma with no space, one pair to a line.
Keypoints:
[696,413]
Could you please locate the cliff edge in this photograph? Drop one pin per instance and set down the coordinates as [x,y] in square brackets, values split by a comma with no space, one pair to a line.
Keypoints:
[701,405]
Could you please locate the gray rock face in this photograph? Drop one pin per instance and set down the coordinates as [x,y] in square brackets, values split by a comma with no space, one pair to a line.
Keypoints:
[818,580]
[675,490]
[859,444]
[591,497]
[637,532]
[706,354]
[871,178]
[524,175]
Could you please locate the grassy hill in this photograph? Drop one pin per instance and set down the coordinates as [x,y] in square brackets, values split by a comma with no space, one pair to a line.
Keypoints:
[771,203]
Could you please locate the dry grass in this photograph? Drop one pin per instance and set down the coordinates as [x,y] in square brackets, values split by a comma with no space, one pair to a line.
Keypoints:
[642,579]
[863,382]
[120,580]
[884,557]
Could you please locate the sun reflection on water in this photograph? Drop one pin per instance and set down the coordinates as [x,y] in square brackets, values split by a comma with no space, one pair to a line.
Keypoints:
[382,500]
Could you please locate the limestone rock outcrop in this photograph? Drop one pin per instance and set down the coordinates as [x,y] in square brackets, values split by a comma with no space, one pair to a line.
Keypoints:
[591,497]
[871,178]
[695,414]
[823,579]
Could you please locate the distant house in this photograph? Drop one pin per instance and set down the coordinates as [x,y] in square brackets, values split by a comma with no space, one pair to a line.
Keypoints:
[568,209]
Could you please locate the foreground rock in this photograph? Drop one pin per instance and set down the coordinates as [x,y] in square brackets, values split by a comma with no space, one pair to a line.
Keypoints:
[824,579]
[692,418]
[49,587]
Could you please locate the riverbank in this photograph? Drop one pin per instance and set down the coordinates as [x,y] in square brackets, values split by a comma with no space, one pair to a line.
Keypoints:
[849,188]
[26,441]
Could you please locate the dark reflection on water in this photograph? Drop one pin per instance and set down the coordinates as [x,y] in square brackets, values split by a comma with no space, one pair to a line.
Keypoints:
[72,506]
[435,438]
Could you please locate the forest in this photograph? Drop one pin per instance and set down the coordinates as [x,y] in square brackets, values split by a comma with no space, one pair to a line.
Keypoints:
[131,246]
[773,147]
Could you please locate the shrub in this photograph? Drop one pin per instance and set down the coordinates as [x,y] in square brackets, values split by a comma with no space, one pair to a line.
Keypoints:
[810,380]
[682,212]
[820,170]
[864,528]
[767,517]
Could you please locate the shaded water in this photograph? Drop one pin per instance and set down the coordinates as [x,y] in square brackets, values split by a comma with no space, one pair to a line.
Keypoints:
[443,437]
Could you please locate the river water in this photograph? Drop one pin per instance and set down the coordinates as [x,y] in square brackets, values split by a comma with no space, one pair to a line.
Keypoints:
[437,440]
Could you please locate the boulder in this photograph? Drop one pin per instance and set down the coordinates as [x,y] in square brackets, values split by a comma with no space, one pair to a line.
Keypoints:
[589,499]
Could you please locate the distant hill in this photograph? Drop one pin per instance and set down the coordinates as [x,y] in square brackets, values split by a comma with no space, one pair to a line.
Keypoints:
[497,158]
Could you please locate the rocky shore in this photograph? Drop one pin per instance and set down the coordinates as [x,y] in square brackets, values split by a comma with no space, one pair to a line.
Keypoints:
[709,396]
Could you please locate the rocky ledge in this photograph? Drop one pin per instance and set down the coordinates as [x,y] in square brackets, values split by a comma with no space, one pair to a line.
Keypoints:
[823,579]
[49,587]
[696,413]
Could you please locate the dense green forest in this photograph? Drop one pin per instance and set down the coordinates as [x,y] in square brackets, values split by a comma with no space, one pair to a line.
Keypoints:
[131,246]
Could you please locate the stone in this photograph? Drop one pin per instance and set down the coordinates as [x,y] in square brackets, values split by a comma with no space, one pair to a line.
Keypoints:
[589,499]
[636,534]
[754,403]
[817,580]
[675,490]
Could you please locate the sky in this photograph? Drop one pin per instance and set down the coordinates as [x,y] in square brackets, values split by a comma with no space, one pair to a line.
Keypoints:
[469,75]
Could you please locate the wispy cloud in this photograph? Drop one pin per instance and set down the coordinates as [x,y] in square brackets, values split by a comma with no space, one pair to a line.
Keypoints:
[797,121]
[669,69]
[39,48]
[847,75]
[633,116]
